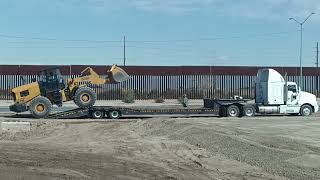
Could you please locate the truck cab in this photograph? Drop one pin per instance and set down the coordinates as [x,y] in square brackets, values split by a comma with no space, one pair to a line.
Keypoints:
[273,95]
[276,95]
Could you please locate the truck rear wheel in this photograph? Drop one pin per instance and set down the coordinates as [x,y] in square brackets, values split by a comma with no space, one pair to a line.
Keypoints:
[249,111]
[85,97]
[306,110]
[40,107]
[233,111]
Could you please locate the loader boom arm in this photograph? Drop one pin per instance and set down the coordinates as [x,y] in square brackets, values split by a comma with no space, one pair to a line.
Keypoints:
[89,76]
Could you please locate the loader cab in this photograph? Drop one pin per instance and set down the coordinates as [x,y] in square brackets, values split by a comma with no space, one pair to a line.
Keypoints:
[51,82]
[51,78]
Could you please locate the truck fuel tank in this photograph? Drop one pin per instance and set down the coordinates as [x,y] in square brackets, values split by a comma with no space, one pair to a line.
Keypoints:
[269,109]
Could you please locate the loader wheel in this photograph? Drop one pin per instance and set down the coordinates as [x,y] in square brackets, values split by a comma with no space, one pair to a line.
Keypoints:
[85,97]
[40,107]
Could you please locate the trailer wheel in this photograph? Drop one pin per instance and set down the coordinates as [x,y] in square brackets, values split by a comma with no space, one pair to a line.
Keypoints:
[233,111]
[306,110]
[249,111]
[97,114]
[114,114]
[40,107]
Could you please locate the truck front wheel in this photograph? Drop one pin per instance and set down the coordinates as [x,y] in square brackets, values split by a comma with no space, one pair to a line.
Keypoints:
[306,110]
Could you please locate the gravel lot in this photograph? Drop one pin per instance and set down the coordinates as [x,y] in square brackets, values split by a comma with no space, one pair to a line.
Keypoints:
[163,148]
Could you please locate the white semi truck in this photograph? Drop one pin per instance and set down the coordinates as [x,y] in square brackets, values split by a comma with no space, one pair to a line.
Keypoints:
[274,95]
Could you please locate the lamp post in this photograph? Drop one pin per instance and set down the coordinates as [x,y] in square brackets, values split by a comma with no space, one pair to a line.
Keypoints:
[301,35]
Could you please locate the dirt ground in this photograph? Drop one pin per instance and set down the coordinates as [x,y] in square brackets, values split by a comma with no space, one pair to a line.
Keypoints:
[163,148]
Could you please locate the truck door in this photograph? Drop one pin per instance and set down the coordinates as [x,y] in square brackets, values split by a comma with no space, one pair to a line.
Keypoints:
[292,94]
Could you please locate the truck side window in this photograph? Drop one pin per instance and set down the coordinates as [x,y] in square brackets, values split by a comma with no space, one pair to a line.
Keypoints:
[292,88]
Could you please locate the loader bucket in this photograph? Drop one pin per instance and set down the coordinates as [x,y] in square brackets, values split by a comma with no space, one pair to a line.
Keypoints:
[118,75]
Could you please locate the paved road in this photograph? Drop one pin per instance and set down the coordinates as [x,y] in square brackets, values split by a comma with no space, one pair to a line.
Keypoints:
[4,109]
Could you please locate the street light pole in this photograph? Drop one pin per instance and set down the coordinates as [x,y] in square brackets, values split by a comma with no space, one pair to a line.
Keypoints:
[301,45]
[301,83]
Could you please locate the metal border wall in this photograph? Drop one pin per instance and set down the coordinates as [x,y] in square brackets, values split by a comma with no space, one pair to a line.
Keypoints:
[210,84]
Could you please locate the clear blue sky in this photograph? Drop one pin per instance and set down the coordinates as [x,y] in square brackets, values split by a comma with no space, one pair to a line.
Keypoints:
[158,32]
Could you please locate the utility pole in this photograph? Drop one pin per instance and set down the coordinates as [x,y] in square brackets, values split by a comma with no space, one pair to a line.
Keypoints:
[317,54]
[317,63]
[301,33]
[124,50]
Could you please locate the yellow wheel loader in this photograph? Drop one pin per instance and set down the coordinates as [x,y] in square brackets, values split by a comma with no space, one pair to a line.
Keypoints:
[39,96]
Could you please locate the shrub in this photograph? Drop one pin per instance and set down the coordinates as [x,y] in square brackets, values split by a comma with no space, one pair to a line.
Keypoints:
[183,101]
[128,96]
[159,100]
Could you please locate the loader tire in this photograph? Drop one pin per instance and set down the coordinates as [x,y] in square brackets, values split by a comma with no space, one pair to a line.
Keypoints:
[40,107]
[85,97]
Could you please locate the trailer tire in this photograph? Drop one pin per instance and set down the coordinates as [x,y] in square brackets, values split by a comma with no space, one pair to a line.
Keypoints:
[98,114]
[249,111]
[114,114]
[306,110]
[233,111]
[85,97]
[40,107]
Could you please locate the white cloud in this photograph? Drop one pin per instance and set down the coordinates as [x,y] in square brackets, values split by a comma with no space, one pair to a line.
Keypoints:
[273,9]
[171,6]
[261,9]
[270,9]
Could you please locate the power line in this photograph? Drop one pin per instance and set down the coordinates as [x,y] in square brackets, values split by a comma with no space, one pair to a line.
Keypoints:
[145,41]
[211,38]
[55,39]
[63,47]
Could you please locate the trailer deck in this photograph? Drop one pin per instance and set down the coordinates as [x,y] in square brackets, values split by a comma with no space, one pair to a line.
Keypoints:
[99,112]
